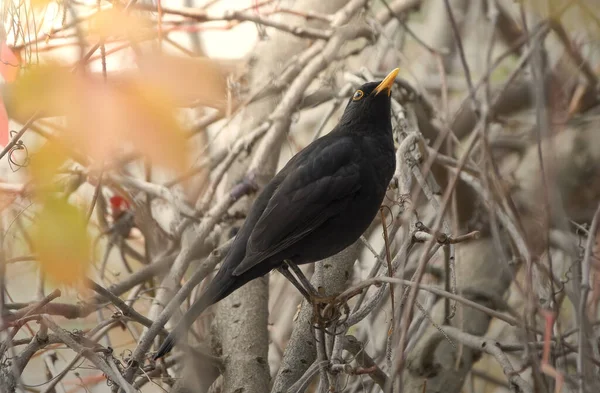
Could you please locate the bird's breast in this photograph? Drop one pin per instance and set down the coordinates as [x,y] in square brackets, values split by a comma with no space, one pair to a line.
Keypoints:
[379,160]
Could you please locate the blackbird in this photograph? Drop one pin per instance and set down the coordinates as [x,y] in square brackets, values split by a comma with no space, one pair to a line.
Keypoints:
[321,202]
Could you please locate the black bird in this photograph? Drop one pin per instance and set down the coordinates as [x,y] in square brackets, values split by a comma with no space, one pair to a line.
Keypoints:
[318,204]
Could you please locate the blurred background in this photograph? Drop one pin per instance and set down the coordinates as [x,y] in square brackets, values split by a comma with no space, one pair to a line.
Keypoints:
[136,134]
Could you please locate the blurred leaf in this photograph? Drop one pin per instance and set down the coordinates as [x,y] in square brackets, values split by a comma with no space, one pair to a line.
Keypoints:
[61,241]
[45,163]
[108,118]
[45,88]
[105,118]
[40,3]
[198,81]
[114,22]
[9,63]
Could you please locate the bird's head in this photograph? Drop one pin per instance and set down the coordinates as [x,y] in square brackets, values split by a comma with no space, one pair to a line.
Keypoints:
[370,104]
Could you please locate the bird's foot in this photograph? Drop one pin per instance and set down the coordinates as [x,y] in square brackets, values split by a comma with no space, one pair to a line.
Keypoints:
[328,311]
[320,300]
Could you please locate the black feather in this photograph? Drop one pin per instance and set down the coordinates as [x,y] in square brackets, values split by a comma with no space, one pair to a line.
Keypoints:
[317,205]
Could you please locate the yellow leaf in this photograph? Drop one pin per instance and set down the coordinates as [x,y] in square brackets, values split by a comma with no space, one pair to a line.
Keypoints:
[42,88]
[61,241]
[40,3]
[45,163]
[114,22]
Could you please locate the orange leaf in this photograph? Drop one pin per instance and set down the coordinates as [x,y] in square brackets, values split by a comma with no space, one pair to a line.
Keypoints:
[61,242]
[109,118]
[105,118]
[132,110]
[198,81]
[114,22]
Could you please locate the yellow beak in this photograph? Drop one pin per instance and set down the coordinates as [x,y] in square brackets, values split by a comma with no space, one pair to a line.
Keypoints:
[387,83]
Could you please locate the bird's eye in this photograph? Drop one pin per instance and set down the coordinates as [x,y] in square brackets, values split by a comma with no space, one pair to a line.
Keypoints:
[358,95]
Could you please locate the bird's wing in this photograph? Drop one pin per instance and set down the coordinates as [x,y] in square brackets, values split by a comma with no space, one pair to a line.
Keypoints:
[314,190]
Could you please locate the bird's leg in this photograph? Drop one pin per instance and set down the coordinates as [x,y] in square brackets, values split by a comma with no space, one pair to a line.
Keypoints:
[315,297]
[285,272]
[309,292]
[303,280]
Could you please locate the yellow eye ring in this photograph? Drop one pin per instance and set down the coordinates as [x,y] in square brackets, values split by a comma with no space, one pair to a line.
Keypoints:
[358,94]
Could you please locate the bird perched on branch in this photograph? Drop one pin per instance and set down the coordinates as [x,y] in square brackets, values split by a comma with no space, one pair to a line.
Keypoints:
[321,202]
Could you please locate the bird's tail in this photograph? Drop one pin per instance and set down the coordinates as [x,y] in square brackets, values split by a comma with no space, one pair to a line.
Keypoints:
[221,286]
